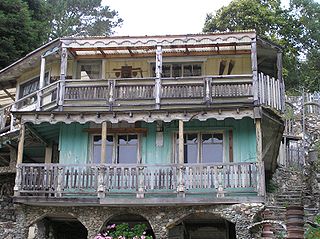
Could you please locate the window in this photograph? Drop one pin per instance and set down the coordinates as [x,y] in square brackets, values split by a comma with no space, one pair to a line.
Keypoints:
[32,85]
[89,70]
[121,148]
[179,69]
[202,147]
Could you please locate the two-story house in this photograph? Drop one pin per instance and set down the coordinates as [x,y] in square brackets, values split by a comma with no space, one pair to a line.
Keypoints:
[179,132]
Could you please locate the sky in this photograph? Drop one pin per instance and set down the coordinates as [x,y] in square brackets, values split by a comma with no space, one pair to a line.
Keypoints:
[151,17]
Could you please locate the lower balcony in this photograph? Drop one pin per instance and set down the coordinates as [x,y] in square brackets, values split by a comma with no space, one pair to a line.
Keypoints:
[118,184]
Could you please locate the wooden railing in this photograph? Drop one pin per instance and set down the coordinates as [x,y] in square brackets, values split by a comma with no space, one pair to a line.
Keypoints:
[271,92]
[144,94]
[56,180]
[116,94]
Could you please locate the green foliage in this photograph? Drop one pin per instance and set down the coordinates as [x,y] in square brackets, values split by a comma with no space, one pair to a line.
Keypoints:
[313,233]
[28,24]
[296,29]
[20,31]
[124,231]
[81,17]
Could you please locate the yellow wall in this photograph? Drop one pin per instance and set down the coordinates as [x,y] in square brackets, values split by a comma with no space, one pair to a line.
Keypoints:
[242,65]
[210,66]
[142,63]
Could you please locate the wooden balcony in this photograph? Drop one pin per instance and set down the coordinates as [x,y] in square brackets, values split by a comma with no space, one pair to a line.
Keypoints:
[139,184]
[141,94]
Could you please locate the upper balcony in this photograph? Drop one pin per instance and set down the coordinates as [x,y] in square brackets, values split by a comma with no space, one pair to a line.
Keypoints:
[147,75]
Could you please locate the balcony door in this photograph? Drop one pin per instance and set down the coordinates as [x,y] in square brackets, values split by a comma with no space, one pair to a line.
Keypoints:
[121,149]
[204,147]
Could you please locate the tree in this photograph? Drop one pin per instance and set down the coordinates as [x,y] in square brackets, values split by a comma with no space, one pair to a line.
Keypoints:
[296,29]
[81,17]
[18,32]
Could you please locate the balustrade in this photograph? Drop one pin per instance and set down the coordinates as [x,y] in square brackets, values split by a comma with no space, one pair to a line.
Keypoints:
[95,180]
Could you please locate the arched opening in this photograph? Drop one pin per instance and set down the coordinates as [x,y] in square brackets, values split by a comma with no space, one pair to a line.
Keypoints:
[58,227]
[203,226]
[131,220]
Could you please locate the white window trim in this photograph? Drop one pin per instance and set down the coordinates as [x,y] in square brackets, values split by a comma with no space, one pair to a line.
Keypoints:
[29,79]
[182,69]
[88,62]
[115,145]
[199,132]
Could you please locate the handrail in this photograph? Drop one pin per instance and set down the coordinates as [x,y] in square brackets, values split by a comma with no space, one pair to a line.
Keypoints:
[58,180]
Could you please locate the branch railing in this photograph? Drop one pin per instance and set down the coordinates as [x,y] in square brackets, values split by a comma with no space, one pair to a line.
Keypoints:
[58,180]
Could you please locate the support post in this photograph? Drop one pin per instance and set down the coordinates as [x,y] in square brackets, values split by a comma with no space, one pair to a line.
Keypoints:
[48,154]
[59,181]
[158,76]
[41,82]
[181,186]
[101,182]
[63,72]
[140,173]
[103,142]
[261,174]
[42,72]
[21,143]
[279,69]
[254,66]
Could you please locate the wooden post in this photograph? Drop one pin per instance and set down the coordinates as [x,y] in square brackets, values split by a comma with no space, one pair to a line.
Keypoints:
[21,144]
[140,174]
[158,76]
[254,66]
[103,142]
[48,154]
[42,72]
[63,72]
[181,143]
[101,190]
[18,181]
[181,186]
[103,69]
[59,182]
[261,174]
[279,68]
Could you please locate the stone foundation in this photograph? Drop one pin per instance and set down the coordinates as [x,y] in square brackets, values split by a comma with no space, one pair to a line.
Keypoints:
[160,218]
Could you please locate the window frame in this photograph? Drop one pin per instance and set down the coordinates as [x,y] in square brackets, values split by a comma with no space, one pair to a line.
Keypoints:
[35,79]
[88,62]
[199,148]
[171,64]
[115,158]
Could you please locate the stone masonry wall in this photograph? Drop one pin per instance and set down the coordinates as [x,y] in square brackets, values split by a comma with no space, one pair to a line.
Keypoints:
[160,218]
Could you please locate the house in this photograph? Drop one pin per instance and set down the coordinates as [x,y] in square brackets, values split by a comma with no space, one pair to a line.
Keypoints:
[178,132]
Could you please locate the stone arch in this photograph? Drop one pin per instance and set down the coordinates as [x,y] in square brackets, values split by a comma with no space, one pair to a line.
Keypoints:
[201,223]
[130,218]
[57,225]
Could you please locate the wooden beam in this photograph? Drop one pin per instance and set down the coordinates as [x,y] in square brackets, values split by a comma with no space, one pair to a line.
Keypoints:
[102,52]
[165,54]
[181,143]
[7,92]
[21,144]
[36,135]
[118,130]
[103,142]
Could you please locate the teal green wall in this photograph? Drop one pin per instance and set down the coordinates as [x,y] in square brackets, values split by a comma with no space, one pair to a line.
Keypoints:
[244,139]
[73,144]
